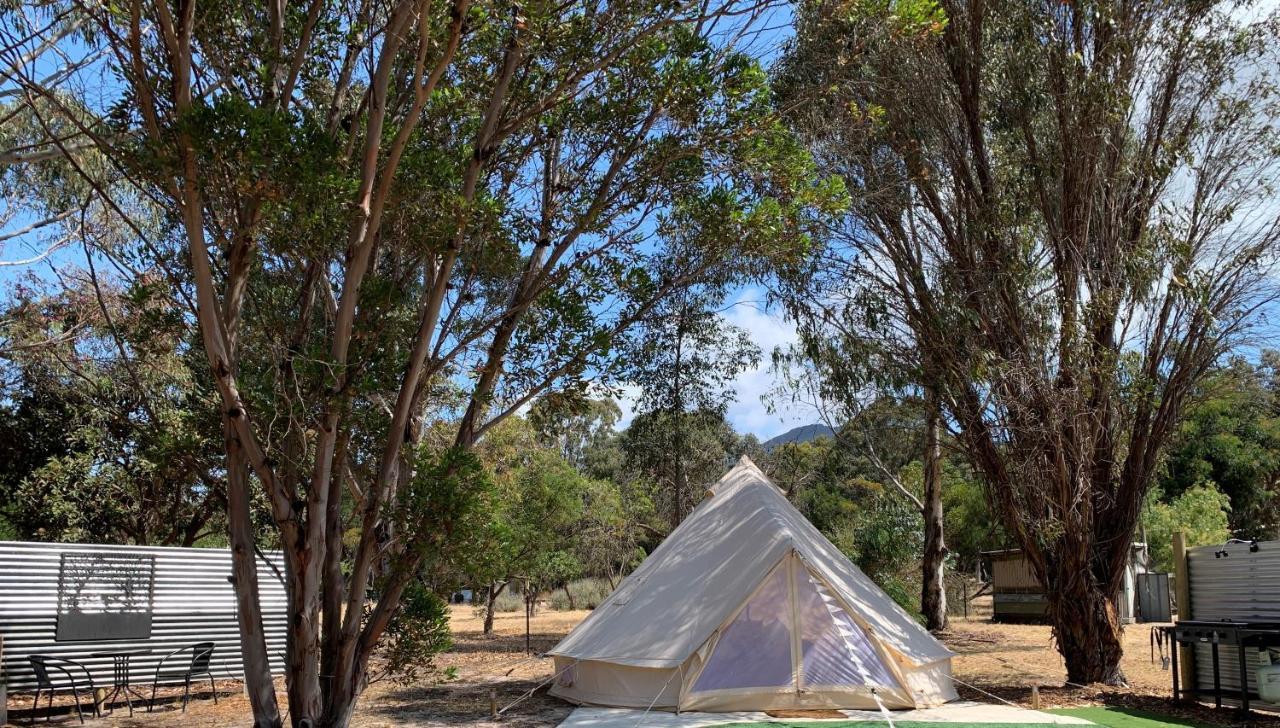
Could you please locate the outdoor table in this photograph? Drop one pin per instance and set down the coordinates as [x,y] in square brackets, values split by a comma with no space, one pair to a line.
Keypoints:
[120,675]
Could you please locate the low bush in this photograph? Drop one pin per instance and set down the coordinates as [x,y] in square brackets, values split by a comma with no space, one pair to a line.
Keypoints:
[510,600]
[587,594]
[419,632]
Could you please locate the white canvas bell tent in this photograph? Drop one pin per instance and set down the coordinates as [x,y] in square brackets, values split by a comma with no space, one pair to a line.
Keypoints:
[746,606]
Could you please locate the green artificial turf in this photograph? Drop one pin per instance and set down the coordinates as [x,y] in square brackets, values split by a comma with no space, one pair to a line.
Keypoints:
[873,724]
[1109,717]
[1126,718]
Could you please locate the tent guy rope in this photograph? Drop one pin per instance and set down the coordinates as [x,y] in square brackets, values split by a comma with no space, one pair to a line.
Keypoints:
[659,695]
[535,688]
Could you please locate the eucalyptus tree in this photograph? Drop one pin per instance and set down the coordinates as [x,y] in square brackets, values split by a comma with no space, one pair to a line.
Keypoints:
[669,451]
[619,509]
[387,213]
[575,424]
[534,506]
[1067,211]
[683,357]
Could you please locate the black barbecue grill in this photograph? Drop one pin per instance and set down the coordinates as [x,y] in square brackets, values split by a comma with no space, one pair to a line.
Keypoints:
[1237,633]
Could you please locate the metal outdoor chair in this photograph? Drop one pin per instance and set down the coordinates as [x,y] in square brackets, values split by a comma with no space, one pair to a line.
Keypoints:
[42,664]
[201,653]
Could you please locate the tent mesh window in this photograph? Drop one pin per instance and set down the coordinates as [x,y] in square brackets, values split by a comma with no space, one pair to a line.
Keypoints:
[834,650]
[755,650]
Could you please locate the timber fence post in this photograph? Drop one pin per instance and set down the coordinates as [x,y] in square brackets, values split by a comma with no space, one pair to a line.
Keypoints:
[1182,592]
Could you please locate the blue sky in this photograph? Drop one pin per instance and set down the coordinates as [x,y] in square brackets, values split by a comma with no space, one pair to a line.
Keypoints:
[769,331]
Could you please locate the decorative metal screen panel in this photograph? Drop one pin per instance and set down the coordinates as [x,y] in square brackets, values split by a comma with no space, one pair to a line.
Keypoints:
[105,596]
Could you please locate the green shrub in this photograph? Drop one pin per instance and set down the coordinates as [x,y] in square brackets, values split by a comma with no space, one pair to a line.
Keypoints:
[419,632]
[1201,512]
[901,589]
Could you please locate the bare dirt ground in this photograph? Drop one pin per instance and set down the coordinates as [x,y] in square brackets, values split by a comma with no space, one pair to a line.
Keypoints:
[999,659]
[497,663]
[1004,660]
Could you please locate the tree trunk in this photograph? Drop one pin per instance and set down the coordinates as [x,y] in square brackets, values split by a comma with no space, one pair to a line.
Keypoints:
[344,691]
[529,597]
[333,590]
[681,484]
[244,569]
[353,666]
[933,593]
[1087,629]
[490,605]
[569,595]
[306,704]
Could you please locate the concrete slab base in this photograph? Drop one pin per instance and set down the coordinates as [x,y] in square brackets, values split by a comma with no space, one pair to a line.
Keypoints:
[957,712]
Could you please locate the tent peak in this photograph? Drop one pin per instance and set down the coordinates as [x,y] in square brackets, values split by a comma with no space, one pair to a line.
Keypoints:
[744,471]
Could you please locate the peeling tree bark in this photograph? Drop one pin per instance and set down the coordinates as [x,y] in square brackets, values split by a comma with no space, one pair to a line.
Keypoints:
[933,596]
[244,569]
[1086,624]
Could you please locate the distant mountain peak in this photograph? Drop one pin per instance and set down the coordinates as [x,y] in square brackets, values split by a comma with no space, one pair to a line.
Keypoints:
[803,433]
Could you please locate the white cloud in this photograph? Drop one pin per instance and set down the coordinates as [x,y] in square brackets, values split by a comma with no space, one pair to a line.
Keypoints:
[769,331]
[628,394]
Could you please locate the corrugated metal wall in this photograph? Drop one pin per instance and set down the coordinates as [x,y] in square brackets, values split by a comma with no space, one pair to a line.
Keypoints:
[1153,598]
[1013,575]
[1241,585]
[193,602]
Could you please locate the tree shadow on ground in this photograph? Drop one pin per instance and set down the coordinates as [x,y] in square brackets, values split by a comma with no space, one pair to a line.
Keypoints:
[469,703]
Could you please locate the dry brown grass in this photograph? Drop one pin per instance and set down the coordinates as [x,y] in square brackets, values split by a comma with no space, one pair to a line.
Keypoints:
[497,663]
[1013,656]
